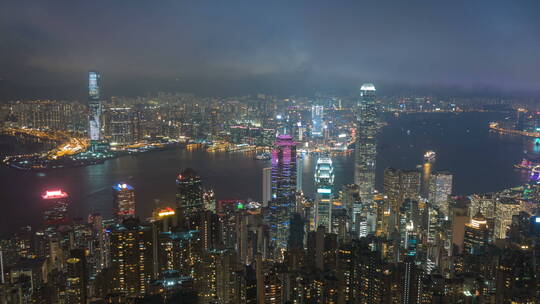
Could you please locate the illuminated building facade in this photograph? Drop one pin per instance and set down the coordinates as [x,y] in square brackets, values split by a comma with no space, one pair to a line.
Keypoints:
[398,186]
[131,257]
[120,125]
[317,121]
[324,181]
[55,207]
[76,281]
[476,235]
[283,189]
[124,201]
[366,142]
[94,105]
[440,189]
[189,192]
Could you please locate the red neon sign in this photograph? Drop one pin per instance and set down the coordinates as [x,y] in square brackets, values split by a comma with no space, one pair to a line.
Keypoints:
[51,194]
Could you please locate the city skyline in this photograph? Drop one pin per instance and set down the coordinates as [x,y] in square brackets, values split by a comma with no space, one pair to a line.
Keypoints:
[259,153]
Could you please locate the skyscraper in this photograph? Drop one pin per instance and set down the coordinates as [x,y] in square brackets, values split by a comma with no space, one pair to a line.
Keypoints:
[317,121]
[440,188]
[398,186]
[55,207]
[366,142]
[189,192]
[131,257]
[324,181]
[299,170]
[266,186]
[476,235]
[76,281]
[124,201]
[120,125]
[283,189]
[427,169]
[94,105]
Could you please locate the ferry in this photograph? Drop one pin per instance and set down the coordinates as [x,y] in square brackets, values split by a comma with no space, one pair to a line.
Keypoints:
[524,164]
[429,156]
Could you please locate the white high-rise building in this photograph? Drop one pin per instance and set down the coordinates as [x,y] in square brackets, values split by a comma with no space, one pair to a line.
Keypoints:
[324,180]
[94,105]
[440,189]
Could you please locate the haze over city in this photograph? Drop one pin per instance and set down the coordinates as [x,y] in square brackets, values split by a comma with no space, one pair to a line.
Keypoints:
[221,48]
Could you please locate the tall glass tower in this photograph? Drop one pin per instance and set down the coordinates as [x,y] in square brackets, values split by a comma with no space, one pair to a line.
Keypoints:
[317,121]
[366,143]
[189,192]
[283,189]
[94,105]
[124,201]
[324,181]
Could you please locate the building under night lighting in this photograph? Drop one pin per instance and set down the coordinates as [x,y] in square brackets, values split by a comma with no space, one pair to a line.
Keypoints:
[283,189]
[55,207]
[124,201]
[94,105]
[366,142]
[189,192]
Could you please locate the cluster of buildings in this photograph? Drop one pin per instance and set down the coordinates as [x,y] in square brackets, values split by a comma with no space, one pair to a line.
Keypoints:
[410,242]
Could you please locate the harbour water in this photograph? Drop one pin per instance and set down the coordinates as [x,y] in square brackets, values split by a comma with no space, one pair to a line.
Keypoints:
[481,161]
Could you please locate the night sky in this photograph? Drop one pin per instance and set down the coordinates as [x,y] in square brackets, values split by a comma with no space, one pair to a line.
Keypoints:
[282,47]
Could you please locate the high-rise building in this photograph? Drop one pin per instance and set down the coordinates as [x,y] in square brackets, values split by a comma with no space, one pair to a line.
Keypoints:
[350,200]
[132,263]
[94,105]
[317,121]
[440,189]
[266,186]
[299,172]
[55,207]
[189,192]
[505,209]
[283,189]
[296,234]
[427,169]
[324,181]
[398,186]
[124,201]
[120,125]
[76,281]
[476,235]
[366,142]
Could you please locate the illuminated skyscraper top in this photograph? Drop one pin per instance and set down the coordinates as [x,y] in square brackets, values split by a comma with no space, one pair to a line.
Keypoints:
[55,207]
[94,86]
[94,105]
[124,201]
[366,142]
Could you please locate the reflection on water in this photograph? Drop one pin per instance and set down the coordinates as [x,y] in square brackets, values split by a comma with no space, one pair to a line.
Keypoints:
[480,160]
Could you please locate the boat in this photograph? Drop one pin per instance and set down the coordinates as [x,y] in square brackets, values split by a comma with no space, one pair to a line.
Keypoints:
[262,156]
[524,164]
[430,156]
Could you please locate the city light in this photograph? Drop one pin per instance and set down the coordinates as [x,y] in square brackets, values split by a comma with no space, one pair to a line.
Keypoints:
[54,194]
[166,212]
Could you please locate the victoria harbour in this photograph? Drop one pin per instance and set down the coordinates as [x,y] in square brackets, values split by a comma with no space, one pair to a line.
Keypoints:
[481,161]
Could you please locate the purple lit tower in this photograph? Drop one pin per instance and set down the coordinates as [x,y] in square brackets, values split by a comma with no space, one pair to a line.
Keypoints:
[283,190]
